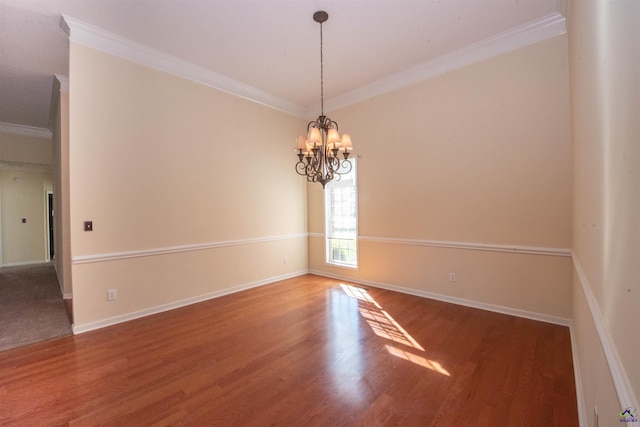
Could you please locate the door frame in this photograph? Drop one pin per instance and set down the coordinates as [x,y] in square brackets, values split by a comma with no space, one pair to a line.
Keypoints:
[1,257]
[49,225]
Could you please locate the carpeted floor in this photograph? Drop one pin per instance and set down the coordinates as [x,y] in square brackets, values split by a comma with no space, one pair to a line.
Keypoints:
[31,306]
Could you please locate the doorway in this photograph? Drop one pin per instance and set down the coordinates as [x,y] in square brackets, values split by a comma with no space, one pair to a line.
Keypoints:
[50,213]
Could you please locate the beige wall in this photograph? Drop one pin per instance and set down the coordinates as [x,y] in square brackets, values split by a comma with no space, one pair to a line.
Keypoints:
[25,176]
[605,101]
[60,138]
[479,155]
[25,148]
[161,164]
[23,195]
[192,191]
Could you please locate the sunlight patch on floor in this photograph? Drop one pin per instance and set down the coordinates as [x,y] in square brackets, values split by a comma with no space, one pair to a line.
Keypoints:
[418,360]
[385,326]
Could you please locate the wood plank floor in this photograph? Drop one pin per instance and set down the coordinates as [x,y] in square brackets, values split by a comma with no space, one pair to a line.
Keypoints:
[304,351]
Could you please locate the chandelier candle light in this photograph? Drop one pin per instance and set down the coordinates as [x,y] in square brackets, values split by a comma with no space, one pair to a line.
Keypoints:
[318,154]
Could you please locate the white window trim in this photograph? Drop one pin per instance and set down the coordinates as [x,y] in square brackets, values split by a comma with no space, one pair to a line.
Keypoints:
[338,264]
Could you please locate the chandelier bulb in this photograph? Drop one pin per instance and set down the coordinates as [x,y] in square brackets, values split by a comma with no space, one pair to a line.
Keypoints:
[323,143]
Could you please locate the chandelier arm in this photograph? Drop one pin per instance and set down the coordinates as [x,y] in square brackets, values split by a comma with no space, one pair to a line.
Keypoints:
[333,164]
[321,162]
[344,164]
[301,168]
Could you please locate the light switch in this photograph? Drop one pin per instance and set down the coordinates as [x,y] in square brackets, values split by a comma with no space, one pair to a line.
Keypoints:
[88,226]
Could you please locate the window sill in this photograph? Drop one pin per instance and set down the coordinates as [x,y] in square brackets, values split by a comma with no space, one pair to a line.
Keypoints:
[339,265]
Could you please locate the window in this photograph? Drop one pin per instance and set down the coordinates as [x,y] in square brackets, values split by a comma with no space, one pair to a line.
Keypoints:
[341,216]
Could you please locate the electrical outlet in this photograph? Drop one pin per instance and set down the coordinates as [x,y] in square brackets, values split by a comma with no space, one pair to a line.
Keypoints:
[452,277]
[112,294]
[285,260]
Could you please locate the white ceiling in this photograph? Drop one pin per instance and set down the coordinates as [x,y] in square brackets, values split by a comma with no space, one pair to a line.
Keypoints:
[271,46]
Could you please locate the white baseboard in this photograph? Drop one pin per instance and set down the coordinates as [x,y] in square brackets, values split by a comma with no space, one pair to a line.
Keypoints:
[26,263]
[582,415]
[619,376]
[582,410]
[454,300]
[78,329]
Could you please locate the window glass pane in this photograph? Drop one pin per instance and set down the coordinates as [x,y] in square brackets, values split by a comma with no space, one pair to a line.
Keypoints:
[341,216]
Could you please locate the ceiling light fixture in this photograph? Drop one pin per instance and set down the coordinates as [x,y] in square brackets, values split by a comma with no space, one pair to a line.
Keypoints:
[318,153]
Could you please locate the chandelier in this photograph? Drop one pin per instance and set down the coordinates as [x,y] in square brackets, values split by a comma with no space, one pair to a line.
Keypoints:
[319,153]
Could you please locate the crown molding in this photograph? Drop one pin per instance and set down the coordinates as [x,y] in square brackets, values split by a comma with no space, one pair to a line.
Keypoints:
[63,81]
[532,32]
[24,167]
[22,130]
[107,42]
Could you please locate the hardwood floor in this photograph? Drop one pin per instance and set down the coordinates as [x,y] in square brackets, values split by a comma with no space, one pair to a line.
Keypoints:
[304,351]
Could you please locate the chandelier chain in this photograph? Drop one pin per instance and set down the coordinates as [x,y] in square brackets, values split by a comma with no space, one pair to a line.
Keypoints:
[321,75]
[318,152]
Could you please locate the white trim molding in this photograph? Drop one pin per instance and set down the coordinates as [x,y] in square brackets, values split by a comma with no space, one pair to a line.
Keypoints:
[620,379]
[582,419]
[107,42]
[535,31]
[22,130]
[453,300]
[582,408]
[27,263]
[21,166]
[531,250]
[78,329]
[532,32]
[63,81]
[86,259]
